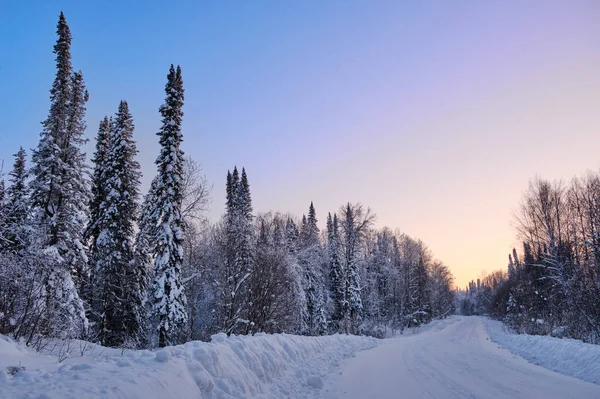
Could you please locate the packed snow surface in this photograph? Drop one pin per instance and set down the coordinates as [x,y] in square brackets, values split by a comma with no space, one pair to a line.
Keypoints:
[461,361]
[459,357]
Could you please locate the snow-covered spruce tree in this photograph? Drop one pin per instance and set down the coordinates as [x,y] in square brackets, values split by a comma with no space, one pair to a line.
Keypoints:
[117,275]
[238,254]
[245,226]
[303,230]
[2,194]
[93,291]
[312,236]
[512,270]
[17,204]
[18,299]
[167,293]
[98,185]
[311,259]
[59,196]
[291,236]
[4,242]
[336,275]
[527,299]
[230,280]
[144,255]
[145,244]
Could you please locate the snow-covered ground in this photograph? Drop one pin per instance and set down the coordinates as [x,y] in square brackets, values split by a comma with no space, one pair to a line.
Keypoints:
[458,361]
[275,366]
[458,357]
[565,356]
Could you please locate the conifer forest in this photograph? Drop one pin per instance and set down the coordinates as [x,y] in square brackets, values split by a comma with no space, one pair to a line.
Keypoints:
[85,254]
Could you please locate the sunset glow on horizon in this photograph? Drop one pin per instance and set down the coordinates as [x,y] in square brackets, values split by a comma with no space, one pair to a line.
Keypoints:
[434,114]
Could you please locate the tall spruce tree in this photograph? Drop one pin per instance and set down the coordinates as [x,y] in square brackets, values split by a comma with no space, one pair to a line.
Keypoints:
[98,185]
[246,252]
[291,236]
[312,228]
[245,226]
[144,253]
[145,243]
[303,231]
[168,295]
[2,193]
[122,293]
[231,278]
[4,241]
[238,252]
[93,291]
[78,175]
[336,275]
[311,259]
[17,204]
[59,195]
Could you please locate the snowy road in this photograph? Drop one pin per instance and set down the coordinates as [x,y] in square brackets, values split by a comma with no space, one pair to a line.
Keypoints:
[459,361]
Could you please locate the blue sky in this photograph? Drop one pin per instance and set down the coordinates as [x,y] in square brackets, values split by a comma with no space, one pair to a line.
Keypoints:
[434,113]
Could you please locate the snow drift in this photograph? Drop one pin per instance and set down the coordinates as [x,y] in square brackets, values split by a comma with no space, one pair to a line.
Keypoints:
[265,366]
[566,356]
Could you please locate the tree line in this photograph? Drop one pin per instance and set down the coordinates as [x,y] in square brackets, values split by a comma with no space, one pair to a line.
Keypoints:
[552,285]
[275,272]
[84,255]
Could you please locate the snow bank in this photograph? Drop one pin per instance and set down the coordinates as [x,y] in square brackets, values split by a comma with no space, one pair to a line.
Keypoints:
[267,366]
[566,356]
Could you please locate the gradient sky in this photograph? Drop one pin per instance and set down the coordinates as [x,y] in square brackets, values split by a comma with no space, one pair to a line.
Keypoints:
[433,113]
